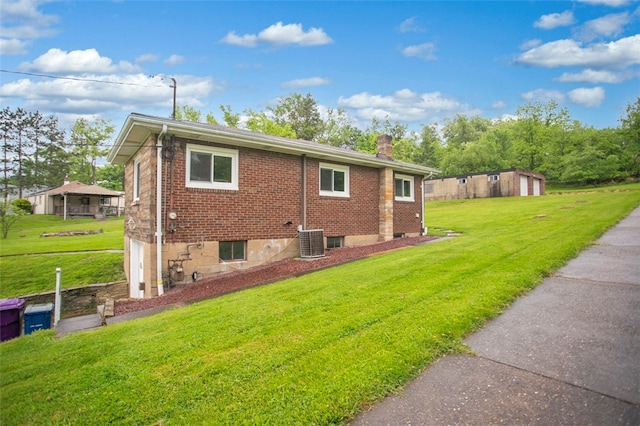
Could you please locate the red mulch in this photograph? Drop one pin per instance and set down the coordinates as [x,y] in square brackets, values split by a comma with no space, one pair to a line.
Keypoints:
[207,288]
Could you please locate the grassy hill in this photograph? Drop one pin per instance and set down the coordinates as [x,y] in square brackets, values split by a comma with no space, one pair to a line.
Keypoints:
[28,261]
[313,349]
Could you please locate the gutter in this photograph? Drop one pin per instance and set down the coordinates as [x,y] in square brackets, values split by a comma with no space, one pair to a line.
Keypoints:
[159,283]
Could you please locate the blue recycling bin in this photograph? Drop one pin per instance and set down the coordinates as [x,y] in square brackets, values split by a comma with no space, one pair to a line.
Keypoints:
[10,312]
[37,317]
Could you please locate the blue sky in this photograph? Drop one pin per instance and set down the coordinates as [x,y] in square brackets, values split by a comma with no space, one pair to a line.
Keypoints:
[414,62]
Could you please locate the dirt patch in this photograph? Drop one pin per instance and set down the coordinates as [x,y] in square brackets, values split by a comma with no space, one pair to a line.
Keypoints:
[211,287]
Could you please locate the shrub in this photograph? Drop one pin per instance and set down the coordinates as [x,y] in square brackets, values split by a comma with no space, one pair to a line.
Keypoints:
[22,204]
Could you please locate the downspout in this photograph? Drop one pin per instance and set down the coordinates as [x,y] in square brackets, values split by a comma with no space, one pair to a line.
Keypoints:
[304,191]
[159,212]
[424,222]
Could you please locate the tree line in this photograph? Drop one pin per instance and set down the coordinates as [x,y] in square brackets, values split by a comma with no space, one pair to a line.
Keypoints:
[541,137]
[37,153]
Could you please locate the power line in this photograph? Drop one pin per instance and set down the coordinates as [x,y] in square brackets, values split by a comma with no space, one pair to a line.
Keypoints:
[56,77]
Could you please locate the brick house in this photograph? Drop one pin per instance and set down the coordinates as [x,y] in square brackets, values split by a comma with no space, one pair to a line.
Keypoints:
[202,199]
[496,183]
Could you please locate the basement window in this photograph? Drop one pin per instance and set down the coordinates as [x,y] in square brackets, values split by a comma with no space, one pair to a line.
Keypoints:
[334,180]
[212,168]
[232,251]
[335,242]
[404,188]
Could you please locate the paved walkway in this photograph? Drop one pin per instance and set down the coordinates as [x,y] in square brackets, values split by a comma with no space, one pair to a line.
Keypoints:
[568,353]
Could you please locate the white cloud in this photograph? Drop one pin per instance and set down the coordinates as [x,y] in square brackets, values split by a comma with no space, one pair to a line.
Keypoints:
[612,3]
[608,26]
[95,94]
[593,76]
[403,105]
[620,53]
[174,60]
[12,46]
[22,20]
[424,51]
[499,105]
[530,44]
[588,97]
[410,25]
[76,62]
[305,82]
[280,35]
[555,20]
[543,95]
[146,58]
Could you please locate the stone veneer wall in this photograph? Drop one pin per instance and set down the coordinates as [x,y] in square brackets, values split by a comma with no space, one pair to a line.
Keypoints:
[81,300]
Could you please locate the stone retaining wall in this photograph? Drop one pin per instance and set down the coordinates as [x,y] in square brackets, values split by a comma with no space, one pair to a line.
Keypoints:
[81,300]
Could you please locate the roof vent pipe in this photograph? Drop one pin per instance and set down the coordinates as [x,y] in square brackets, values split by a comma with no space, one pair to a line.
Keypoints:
[159,283]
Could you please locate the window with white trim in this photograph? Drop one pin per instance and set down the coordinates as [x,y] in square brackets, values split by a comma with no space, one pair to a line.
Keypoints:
[212,168]
[462,181]
[136,180]
[494,178]
[404,188]
[334,180]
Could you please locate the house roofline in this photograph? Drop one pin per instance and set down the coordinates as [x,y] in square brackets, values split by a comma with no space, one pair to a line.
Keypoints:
[138,127]
[491,172]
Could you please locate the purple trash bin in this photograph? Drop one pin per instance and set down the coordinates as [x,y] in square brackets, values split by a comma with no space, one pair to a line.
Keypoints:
[10,311]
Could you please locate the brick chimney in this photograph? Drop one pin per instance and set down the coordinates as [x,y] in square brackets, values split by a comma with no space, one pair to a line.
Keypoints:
[385,148]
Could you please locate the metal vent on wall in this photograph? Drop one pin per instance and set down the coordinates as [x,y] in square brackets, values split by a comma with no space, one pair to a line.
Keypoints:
[312,243]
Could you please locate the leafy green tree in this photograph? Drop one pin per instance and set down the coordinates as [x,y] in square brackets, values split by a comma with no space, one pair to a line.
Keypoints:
[111,176]
[9,215]
[301,113]
[230,119]
[89,143]
[630,131]
[429,149]
[337,130]
[259,122]
[22,204]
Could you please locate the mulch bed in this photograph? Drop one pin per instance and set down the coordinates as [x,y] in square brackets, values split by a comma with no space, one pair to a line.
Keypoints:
[211,287]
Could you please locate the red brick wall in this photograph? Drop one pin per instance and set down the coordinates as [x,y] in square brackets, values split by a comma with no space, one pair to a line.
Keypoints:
[356,215]
[404,213]
[268,196]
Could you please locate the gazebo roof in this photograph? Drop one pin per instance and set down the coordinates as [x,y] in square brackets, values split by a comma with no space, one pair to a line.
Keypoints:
[79,188]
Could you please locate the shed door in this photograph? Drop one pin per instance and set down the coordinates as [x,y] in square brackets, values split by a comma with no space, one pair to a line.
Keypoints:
[524,188]
[136,271]
[536,186]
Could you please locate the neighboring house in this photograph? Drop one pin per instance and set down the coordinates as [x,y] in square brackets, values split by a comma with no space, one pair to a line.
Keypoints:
[203,199]
[74,199]
[497,183]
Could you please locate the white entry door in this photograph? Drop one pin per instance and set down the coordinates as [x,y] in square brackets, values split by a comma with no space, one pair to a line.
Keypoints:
[536,186]
[136,270]
[524,188]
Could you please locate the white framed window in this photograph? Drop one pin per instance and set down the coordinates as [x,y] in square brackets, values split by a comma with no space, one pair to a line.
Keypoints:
[404,188]
[136,180]
[494,178]
[334,180]
[462,181]
[210,167]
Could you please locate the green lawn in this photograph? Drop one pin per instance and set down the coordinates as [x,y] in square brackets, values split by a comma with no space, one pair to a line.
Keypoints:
[28,261]
[309,350]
